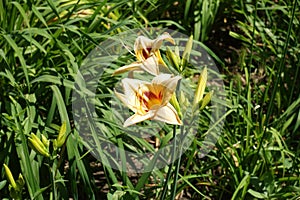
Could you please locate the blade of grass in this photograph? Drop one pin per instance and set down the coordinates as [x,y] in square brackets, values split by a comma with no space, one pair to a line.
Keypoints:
[92,127]
[19,55]
[22,11]
[185,179]
[243,185]
[54,80]
[123,160]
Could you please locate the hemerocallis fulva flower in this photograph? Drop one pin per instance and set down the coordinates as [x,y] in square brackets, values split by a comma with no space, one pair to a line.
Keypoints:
[148,55]
[150,100]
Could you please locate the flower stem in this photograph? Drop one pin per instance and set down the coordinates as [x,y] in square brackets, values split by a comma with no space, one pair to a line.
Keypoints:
[165,188]
[173,193]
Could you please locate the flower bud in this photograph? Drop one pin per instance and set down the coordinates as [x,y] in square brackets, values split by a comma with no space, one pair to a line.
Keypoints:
[62,136]
[37,145]
[45,141]
[206,100]
[10,177]
[15,187]
[173,58]
[175,103]
[187,52]
[200,87]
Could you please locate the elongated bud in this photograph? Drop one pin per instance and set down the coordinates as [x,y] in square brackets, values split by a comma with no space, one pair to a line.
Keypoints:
[187,52]
[62,136]
[45,141]
[173,58]
[10,177]
[37,140]
[37,145]
[62,131]
[206,100]
[200,87]
[175,103]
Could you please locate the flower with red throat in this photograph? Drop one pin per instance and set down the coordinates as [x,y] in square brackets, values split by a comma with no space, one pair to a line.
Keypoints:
[148,55]
[150,100]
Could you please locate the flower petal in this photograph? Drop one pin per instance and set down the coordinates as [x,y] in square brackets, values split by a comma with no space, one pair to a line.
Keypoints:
[150,65]
[158,41]
[136,118]
[132,86]
[130,98]
[169,84]
[167,114]
[142,42]
[126,102]
[132,66]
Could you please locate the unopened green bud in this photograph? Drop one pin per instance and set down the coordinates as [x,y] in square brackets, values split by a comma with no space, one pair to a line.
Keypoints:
[55,144]
[206,100]
[200,87]
[45,141]
[10,177]
[15,187]
[187,52]
[175,103]
[173,58]
[62,136]
[177,53]
[38,146]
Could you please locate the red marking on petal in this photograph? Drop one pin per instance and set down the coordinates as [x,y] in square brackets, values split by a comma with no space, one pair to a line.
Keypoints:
[145,53]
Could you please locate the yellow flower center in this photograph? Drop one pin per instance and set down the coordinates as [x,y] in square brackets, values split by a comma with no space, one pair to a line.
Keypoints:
[149,99]
[153,99]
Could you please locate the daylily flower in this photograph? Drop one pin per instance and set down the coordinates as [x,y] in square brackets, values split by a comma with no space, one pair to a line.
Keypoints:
[150,100]
[148,55]
[145,47]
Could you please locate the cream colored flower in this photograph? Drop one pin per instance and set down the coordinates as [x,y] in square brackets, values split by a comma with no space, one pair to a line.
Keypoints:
[144,47]
[148,55]
[150,100]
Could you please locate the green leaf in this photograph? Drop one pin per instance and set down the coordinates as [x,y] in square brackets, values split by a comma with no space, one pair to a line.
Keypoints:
[22,11]
[19,55]
[54,80]
[243,185]
[257,194]
[2,184]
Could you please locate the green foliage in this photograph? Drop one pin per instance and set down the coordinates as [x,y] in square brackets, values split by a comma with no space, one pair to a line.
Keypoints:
[43,44]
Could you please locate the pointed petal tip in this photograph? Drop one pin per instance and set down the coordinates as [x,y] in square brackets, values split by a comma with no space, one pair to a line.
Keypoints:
[125,68]
[168,37]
